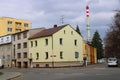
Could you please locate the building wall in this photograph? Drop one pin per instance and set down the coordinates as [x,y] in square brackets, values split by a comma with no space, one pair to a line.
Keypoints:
[6,50]
[90,53]
[22,61]
[67,49]
[17,25]
[68,46]
[5,54]
[18,53]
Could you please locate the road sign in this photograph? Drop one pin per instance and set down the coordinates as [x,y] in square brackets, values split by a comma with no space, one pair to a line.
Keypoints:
[53,55]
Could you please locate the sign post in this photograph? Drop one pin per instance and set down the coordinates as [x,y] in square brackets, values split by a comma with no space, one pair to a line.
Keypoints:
[53,59]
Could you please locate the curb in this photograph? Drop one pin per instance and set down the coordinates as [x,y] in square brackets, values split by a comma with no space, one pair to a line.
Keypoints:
[15,77]
[10,75]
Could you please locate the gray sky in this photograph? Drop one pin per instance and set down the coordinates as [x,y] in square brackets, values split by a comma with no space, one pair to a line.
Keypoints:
[46,13]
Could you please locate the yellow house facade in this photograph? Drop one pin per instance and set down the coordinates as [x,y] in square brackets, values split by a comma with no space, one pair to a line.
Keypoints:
[11,25]
[56,47]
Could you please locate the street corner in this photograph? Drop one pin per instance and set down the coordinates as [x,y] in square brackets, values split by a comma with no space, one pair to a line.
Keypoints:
[10,75]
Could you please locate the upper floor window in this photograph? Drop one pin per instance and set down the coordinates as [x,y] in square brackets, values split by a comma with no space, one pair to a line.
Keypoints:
[25,54]
[7,39]
[25,25]
[31,43]
[25,35]
[75,42]
[18,36]
[14,37]
[35,43]
[37,56]
[18,46]
[18,55]
[61,41]
[1,39]
[9,29]
[71,32]
[9,22]
[64,31]
[8,57]
[25,45]
[46,41]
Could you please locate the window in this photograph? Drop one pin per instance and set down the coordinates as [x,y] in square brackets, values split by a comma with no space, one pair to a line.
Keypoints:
[18,46]
[9,29]
[25,25]
[1,40]
[75,42]
[35,43]
[46,55]
[37,56]
[25,54]
[7,39]
[31,43]
[76,55]
[9,22]
[46,41]
[14,37]
[8,57]
[18,55]
[25,35]
[25,45]
[64,31]
[18,36]
[71,32]
[61,41]
[61,55]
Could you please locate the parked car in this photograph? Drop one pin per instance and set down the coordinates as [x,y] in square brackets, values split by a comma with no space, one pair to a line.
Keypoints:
[112,62]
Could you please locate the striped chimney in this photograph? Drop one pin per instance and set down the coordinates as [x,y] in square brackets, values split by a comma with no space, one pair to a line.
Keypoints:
[87,11]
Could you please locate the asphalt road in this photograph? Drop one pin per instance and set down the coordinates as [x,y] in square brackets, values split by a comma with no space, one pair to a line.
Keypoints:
[92,72]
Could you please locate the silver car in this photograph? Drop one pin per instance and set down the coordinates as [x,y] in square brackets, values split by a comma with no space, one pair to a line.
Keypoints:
[112,62]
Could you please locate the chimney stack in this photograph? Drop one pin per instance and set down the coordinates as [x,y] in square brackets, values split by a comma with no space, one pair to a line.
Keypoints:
[55,25]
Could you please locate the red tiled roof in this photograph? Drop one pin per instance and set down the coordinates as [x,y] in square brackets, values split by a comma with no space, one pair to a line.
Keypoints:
[47,32]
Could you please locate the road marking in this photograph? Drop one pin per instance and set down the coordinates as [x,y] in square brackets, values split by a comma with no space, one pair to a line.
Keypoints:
[77,73]
[99,68]
[44,73]
[102,74]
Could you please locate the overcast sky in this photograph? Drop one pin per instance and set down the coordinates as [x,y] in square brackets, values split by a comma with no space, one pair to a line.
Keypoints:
[46,13]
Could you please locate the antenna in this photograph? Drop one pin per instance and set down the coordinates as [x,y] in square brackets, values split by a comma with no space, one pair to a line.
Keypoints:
[62,19]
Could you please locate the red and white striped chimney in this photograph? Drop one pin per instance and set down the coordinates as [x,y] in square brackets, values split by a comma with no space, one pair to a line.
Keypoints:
[87,11]
[88,24]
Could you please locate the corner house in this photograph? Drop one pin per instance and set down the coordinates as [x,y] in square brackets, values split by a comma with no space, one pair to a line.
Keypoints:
[59,46]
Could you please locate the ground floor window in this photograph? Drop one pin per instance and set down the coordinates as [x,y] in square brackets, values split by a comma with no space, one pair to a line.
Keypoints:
[76,55]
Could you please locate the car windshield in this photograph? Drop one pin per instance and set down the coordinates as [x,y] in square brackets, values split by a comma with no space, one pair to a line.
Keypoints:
[112,59]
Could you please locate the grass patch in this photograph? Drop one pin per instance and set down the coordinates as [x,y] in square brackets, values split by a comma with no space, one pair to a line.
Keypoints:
[1,73]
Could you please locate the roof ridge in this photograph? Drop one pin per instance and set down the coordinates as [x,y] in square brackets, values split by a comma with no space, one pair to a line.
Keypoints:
[47,32]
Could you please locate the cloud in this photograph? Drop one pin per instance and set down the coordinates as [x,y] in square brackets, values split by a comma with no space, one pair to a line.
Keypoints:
[46,13]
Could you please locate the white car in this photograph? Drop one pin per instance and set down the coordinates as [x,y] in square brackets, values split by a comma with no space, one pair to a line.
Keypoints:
[112,62]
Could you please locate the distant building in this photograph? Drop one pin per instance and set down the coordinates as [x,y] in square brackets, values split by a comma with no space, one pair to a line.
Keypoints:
[6,50]
[56,47]
[89,52]
[12,25]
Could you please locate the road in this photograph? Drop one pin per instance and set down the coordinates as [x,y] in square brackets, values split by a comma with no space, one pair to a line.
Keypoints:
[92,72]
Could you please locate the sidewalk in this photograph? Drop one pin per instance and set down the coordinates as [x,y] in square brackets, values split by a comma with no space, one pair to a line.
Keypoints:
[9,75]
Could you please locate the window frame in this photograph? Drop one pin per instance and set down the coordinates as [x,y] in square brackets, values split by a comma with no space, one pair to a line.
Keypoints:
[47,55]
[61,41]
